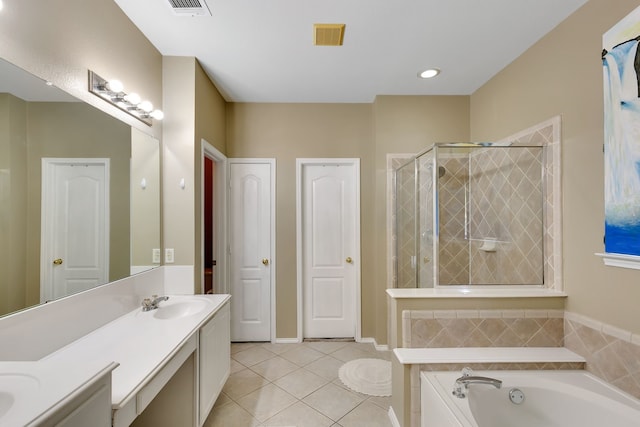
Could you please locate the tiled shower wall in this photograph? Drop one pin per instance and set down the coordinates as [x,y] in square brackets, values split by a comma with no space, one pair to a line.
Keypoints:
[453,256]
[534,232]
[505,210]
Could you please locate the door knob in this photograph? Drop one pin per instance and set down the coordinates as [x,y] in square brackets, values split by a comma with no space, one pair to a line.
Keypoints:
[57,261]
[349,260]
[265,261]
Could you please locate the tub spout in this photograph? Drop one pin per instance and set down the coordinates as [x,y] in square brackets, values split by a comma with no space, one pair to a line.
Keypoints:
[463,382]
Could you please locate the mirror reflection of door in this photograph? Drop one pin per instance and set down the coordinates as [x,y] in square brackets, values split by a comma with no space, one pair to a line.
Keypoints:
[75,225]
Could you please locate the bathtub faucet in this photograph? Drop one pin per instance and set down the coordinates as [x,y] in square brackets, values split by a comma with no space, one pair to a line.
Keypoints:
[462,384]
[149,304]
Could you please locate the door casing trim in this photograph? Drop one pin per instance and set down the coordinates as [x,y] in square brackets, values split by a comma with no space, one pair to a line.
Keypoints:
[221,196]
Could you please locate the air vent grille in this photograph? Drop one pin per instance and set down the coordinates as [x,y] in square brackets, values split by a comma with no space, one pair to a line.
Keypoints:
[190,7]
[328,34]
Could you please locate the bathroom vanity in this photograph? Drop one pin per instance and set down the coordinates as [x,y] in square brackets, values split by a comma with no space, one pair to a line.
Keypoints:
[108,376]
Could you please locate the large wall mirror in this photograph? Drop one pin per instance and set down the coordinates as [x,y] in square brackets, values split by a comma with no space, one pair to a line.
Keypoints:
[79,194]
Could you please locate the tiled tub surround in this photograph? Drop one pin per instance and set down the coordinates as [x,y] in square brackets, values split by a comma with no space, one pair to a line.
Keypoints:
[603,350]
[468,302]
[611,353]
[482,328]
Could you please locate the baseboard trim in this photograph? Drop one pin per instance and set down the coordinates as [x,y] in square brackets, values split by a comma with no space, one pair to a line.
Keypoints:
[286,341]
[379,347]
[393,418]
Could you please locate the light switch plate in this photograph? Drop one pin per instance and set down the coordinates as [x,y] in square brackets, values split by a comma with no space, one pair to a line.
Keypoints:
[168,255]
[155,255]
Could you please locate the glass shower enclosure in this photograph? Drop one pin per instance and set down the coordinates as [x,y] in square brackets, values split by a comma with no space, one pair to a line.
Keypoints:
[470,214]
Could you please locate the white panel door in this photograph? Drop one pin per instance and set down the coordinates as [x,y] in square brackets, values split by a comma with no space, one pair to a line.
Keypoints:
[75,218]
[250,247]
[330,246]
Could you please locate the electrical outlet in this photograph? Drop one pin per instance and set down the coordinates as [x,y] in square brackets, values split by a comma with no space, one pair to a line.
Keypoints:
[155,256]
[168,255]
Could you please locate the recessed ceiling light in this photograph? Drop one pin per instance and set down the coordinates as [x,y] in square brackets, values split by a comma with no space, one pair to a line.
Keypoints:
[429,73]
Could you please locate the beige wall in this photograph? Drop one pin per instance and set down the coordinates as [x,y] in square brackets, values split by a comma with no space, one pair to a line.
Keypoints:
[145,202]
[210,125]
[13,203]
[194,111]
[289,131]
[178,205]
[562,74]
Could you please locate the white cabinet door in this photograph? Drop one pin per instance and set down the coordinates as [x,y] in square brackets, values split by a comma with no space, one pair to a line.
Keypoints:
[214,359]
[92,407]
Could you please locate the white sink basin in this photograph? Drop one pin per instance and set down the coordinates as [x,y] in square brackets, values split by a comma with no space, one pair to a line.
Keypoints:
[6,402]
[177,309]
[15,387]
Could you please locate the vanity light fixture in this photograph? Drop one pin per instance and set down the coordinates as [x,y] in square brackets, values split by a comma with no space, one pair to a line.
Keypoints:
[429,73]
[113,92]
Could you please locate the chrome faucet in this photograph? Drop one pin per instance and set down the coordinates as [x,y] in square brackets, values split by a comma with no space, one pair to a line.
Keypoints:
[461,386]
[149,304]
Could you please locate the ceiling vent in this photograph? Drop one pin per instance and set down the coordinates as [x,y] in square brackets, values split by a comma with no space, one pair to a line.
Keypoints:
[190,7]
[328,34]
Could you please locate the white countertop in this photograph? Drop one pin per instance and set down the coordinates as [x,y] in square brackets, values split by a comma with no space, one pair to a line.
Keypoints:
[475,292]
[408,356]
[134,346]
[139,342]
[40,388]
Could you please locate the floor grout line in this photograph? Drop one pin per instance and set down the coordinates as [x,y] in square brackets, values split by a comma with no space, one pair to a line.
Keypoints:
[346,352]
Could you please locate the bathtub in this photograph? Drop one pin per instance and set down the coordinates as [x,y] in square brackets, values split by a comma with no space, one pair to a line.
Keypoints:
[551,399]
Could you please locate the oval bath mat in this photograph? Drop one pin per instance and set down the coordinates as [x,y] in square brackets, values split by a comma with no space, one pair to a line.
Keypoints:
[367,376]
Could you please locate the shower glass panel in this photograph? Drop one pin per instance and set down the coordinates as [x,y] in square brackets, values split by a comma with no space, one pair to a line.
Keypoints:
[476,213]
[405,183]
[425,167]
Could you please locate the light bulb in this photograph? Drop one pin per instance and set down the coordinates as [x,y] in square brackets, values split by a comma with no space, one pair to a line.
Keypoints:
[133,98]
[427,74]
[157,114]
[115,86]
[146,106]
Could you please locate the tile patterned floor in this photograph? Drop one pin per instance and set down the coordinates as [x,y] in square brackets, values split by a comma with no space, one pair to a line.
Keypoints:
[296,385]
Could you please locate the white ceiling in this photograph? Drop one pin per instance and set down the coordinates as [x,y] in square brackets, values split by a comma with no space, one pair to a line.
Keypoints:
[262,50]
